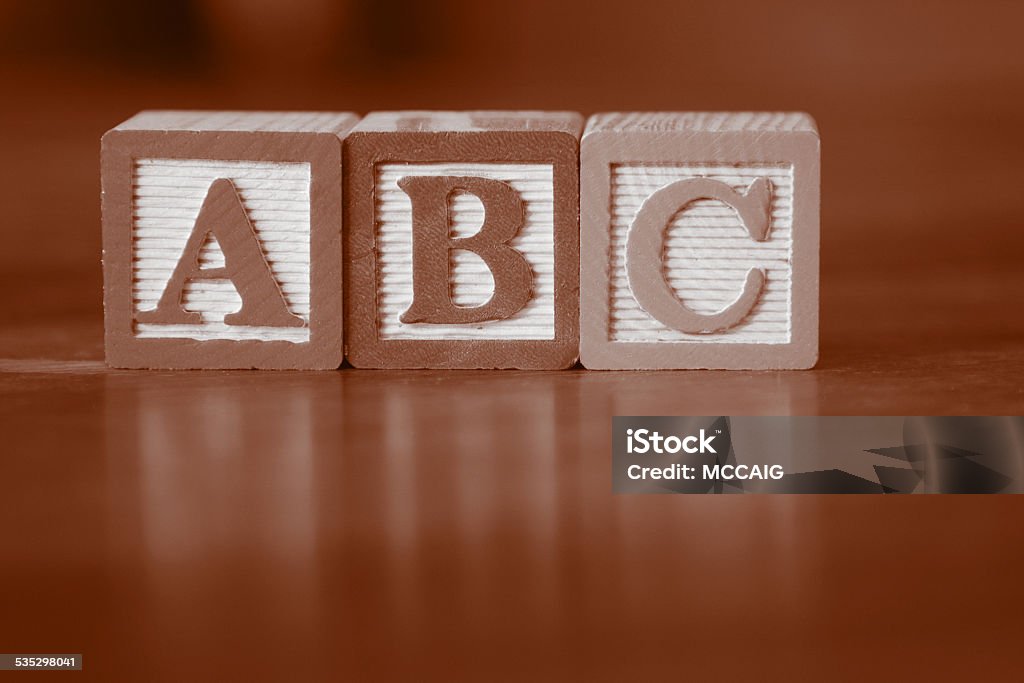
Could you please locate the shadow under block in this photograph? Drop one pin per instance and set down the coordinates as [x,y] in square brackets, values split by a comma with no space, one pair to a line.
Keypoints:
[222,240]
[700,236]
[462,240]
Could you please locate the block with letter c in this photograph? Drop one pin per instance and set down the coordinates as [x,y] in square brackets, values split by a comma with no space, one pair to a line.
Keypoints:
[700,240]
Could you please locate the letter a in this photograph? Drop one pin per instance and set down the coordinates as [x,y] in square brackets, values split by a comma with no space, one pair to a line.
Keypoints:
[223,216]
[432,243]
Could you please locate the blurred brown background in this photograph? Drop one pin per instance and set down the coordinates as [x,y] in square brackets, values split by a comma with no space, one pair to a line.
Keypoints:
[411,526]
[921,106]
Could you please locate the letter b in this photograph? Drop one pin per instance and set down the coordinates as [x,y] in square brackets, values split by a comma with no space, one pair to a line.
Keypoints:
[432,243]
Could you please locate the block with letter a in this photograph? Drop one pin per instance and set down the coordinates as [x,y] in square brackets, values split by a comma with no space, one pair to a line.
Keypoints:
[462,240]
[700,237]
[222,241]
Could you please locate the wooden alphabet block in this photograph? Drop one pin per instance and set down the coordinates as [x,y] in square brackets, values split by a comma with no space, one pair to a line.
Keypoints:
[700,236]
[462,240]
[222,240]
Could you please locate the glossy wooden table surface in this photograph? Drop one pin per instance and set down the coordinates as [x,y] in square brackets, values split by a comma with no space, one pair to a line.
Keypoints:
[441,526]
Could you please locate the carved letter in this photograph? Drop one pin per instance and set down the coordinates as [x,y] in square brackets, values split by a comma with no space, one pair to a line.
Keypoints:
[223,216]
[644,247]
[432,243]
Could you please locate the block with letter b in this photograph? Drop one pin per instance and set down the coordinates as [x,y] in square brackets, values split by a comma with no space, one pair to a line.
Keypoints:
[700,237]
[462,240]
[222,240]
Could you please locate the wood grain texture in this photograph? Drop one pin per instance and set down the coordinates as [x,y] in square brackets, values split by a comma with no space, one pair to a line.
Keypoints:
[241,121]
[538,153]
[167,196]
[707,251]
[412,121]
[706,255]
[286,170]
[471,281]
[700,121]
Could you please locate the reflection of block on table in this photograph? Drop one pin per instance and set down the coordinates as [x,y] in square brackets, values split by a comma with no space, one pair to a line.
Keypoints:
[699,241]
[222,243]
[462,240]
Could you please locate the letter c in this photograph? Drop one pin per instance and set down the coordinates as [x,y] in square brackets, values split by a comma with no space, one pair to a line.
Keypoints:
[644,247]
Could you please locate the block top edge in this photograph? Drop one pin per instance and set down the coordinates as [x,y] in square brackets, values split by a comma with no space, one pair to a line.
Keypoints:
[700,121]
[241,121]
[470,121]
